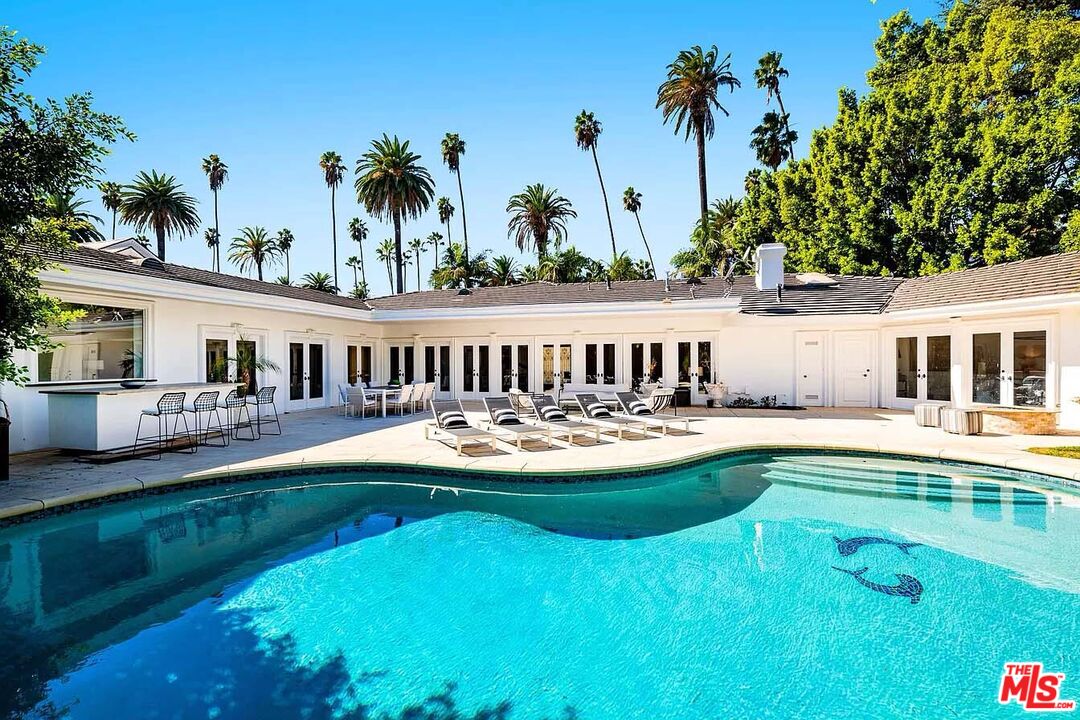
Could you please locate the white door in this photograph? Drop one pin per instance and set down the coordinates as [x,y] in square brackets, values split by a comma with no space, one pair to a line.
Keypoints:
[473,369]
[437,368]
[810,369]
[854,368]
[1009,367]
[556,364]
[695,367]
[515,361]
[401,364]
[308,369]
[921,368]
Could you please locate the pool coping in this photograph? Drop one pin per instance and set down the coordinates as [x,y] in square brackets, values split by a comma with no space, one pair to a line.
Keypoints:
[30,510]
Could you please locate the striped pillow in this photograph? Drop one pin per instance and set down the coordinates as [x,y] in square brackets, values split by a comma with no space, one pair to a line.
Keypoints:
[505,416]
[639,408]
[552,414]
[598,410]
[452,419]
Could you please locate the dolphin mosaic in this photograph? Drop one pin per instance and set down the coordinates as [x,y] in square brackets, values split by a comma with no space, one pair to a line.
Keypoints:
[908,587]
[852,545]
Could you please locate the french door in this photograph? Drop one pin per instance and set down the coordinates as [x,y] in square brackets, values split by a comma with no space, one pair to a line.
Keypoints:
[474,369]
[1009,367]
[556,364]
[514,365]
[646,361]
[695,367]
[308,368]
[401,364]
[922,369]
[437,368]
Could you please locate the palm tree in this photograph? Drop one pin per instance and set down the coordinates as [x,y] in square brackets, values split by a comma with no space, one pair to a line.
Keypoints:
[217,173]
[459,271]
[358,232]
[768,75]
[503,271]
[285,242]
[446,211]
[631,202]
[213,240]
[253,248]
[360,291]
[453,147]
[158,202]
[78,224]
[418,248]
[353,262]
[689,96]
[110,198]
[433,240]
[535,215]
[333,173]
[406,259]
[563,266]
[283,280]
[709,251]
[587,131]
[645,269]
[623,267]
[385,253]
[320,281]
[391,184]
[773,140]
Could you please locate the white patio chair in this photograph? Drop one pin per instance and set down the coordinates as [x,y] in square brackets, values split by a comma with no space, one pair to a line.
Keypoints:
[402,400]
[426,393]
[360,401]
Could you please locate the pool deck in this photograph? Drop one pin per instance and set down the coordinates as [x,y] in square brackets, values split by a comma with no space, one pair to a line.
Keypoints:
[40,481]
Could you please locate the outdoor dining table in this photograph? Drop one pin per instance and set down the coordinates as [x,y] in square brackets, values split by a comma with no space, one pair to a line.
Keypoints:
[382,391]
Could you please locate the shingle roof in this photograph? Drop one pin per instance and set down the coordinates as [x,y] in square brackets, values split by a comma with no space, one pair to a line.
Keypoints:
[103,260]
[1047,275]
[850,295]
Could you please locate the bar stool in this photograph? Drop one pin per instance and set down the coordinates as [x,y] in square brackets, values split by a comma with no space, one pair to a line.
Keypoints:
[265,396]
[234,405]
[207,403]
[169,404]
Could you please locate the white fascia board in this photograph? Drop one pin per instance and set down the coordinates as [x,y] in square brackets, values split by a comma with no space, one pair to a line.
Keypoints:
[558,310]
[88,279]
[990,307]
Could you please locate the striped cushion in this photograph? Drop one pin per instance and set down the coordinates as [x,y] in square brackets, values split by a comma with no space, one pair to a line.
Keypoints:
[598,410]
[552,414]
[639,408]
[452,419]
[505,417]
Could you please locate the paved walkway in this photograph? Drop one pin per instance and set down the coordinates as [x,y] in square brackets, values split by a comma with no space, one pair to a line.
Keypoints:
[323,437]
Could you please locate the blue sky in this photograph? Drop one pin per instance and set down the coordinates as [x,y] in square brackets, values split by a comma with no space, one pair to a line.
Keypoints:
[269,86]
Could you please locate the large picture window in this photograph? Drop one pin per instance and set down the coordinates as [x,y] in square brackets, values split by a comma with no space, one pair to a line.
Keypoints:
[105,343]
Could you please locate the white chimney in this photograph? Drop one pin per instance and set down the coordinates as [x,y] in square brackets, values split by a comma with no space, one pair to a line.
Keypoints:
[769,266]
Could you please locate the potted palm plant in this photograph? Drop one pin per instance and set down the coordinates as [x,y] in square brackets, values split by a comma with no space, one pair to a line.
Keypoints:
[242,368]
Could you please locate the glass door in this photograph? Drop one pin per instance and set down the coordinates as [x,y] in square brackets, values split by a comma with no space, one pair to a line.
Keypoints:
[1009,368]
[695,370]
[514,366]
[307,374]
[923,369]
[646,363]
[437,369]
[402,365]
[358,364]
[556,365]
[474,360]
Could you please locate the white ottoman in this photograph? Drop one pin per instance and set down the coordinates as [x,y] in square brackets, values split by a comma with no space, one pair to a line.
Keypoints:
[928,414]
[961,422]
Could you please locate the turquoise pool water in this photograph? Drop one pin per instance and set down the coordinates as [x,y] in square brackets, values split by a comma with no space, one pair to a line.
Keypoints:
[721,590]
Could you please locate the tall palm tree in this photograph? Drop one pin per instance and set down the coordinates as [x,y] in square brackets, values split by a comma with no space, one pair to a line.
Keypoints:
[453,147]
[503,271]
[587,131]
[253,248]
[631,202]
[285,242]
[333,173]
[217,173]
[353,263]
[433,240]
[320,281]
[358,232]
[768,75]
[772,140]
[536,215]
[392,184]
[406,259]
[446,211]
[689,96]
[158,202]
[110,198]
[213,240]
[78,223]
[385,253]
[418,248]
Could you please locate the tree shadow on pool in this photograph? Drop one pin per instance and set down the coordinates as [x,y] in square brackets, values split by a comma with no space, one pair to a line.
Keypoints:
[241,675]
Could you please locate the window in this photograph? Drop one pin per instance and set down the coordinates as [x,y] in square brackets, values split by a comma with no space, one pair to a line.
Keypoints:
[986,368]
[939,367]
[907,364]
[217,360]
[1029,368]
[365,364]
[235,359]
[656,362]
[106,343]
[351,373]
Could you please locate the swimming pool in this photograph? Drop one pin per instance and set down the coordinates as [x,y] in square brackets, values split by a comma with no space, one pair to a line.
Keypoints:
[727,589]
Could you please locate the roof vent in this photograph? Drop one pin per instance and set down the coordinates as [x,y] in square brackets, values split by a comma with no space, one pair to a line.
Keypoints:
[815,279]
[464,291]
[694,281]
[608,282]
[152,263]
[667,282]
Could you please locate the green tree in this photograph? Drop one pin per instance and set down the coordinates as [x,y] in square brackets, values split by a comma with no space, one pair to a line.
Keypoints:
[392,184]
[503,270]
[688,97]
[360,291]
[385,253]
[712,244]
[253,248]
[564,265]
[321,281]
[213,240]
[587,131]
[453,147]
[217,173]
[632,203]
[283,280]
[358,232]
[768,74]
[333,173]
[772,140]
[446,212]
[434,239]
[79,223]
[460,271]
[110,199]
[623,267]
[157,202]
[417,247]
[284,242]
[353,263]
[537,216]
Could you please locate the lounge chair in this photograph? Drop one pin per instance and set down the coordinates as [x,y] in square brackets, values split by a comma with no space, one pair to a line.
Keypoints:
[635,407]
[450,419]
[598,412]
[551,415]
[505,418]
[520,402]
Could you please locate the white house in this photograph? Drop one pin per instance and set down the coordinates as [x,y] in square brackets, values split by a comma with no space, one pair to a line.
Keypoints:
[1006,336]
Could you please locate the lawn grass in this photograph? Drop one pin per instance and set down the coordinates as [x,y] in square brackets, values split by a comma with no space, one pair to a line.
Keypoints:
[1071,452]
